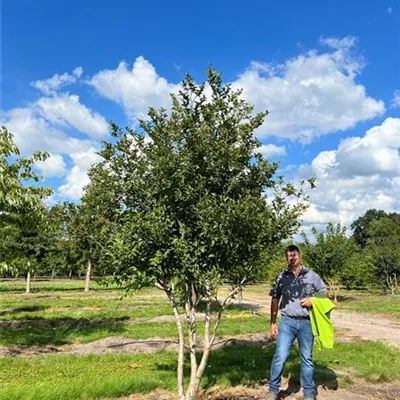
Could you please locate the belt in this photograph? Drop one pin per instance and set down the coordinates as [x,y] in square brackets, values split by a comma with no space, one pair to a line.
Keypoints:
[288,316]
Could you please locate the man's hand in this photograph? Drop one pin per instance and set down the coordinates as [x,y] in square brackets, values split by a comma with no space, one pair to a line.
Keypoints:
[306,302]
[274,330]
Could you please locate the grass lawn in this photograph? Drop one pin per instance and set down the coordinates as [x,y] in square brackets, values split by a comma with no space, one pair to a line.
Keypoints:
[373,302]
[58,312]
[91,377]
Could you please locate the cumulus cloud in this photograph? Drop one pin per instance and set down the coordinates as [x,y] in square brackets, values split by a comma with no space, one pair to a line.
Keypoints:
[269,150]
[66,110]
[52,166]
[308,96]
[33,132]
[51,85]
[135,89]
[362,173]
[396,99]
[77,177]
[338,43]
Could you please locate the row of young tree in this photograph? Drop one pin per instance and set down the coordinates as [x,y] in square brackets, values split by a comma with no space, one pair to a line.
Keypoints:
[184,202]
[368,255]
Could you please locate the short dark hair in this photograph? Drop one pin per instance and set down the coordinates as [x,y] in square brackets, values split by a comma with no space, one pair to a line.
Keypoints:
[292,247]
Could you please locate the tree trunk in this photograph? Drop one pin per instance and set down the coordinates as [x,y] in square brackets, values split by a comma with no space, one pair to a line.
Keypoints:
[70,274]
[181,353]
[53,273]
[87,280]
[190,308]
[197,374]
[240,295]
[28,281]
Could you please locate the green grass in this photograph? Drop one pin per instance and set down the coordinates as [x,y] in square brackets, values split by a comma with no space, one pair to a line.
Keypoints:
[371,303]
[68,331]
[34,314]
[85,377]
[70,377]
[49,285]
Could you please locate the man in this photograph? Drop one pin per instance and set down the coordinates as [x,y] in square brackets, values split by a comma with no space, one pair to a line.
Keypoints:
[293,288]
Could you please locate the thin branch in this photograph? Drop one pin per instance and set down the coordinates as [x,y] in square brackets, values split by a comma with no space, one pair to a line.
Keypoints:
[224,305]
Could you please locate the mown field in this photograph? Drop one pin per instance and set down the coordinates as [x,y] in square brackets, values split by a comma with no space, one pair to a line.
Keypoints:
[58,315]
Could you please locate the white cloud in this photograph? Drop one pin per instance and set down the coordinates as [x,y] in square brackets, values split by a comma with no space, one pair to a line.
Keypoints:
[51,85]
[52,166]
[136,89]
[310,95]
[33,132]
[338,43]
[269,150]
[396,99]
[362,173]
[77,178]
[66,110]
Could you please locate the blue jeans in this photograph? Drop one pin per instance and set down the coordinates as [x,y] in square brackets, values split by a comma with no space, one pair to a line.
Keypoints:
[289,330]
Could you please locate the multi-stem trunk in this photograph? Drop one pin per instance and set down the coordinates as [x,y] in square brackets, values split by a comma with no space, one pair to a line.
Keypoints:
[88,272]
[191,301]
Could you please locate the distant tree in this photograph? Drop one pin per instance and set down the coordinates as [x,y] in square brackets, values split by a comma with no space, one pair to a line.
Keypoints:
[272,261]
[25,242]
[358,271]
[190,193]
[22,211]
[383,245]
[361,225]
[330,255]
[17,192]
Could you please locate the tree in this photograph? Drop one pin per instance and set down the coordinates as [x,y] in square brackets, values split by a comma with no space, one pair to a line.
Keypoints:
[14,172]
[361,225]
[190,195]
[22,210]
[383,245]
[330,255]
[25,242]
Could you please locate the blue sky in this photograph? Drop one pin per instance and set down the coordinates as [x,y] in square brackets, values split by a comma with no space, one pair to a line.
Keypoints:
[329,74]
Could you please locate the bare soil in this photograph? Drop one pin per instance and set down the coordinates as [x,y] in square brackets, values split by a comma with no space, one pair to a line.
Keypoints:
[360,390]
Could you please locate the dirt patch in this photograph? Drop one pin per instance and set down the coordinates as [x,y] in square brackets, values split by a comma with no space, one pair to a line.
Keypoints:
[122,345]
[119,344]
[29,351]
[362,326]
[359,391]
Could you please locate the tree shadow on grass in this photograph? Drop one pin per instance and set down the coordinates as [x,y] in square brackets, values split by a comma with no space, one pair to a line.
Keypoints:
[57,331]
[215,307]
[23,309]
[249,364]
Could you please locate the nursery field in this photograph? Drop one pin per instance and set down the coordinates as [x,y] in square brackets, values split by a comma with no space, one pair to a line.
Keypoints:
[60,343]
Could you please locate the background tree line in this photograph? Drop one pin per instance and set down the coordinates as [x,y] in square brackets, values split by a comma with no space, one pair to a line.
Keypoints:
[366,256]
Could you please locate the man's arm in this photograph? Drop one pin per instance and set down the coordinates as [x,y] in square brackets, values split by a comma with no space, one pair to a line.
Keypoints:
[274,314]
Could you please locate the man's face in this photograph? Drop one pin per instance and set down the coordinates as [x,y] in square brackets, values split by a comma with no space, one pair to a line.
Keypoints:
[293,258]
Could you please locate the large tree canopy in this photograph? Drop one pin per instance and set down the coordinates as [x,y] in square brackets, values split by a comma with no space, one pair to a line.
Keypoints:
[196,203]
